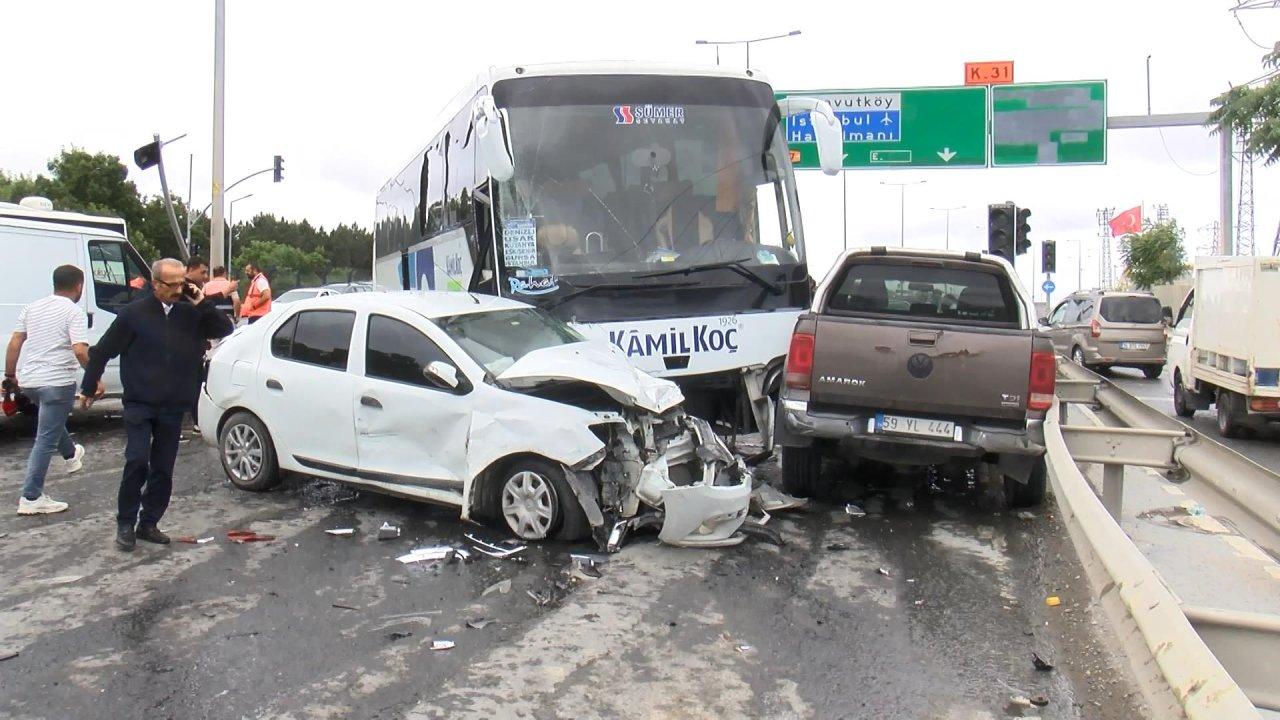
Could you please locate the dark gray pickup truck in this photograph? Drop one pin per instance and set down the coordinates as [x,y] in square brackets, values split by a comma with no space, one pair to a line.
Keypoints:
[914,358]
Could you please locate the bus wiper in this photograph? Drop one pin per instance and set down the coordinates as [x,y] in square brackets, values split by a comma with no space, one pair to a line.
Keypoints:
[738,266]
[612,286]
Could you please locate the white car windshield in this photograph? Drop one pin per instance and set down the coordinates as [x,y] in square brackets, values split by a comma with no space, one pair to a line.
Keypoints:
[498,339]
[297,295]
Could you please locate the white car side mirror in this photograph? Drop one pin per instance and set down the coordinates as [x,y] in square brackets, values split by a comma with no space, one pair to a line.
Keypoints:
[443,373]
[826,129]
[492,139]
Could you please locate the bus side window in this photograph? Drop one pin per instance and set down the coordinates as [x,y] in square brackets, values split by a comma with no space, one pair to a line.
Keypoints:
[118,276]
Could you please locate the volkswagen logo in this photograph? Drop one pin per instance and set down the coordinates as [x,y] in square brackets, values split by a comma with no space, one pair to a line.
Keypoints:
[920,366]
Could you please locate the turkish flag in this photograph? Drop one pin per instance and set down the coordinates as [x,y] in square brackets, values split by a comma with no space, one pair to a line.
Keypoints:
[1129,221]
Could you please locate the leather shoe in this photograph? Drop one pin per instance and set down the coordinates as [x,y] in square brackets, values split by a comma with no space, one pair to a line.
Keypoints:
[152,534]
[126,538]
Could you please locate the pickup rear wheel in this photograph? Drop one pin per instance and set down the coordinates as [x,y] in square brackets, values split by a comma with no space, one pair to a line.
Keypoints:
[801,467]
[1228,416]
[1152,371]
[1028,494]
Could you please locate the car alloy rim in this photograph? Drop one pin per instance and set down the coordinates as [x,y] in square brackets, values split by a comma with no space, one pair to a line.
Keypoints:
[528,504]
[243,452]
[1078,356]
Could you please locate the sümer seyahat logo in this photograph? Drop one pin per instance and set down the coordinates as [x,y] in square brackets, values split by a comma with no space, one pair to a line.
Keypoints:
[648,115]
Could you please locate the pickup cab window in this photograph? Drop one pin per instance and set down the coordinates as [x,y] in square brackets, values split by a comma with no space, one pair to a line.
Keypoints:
[933,292]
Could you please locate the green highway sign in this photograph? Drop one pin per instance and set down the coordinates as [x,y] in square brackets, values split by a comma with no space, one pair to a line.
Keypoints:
[905,127]
[1058,123]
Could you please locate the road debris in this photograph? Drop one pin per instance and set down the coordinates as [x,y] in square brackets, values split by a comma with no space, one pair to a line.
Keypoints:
[435,552]
[341,531]
[1026,515]
[192,540]
[442,645]
[503,586]
[1040,701]
[340,606]
[853,510]
[883,571]
[744,649]
[838,547]
[8,655]
[248,536]
[1018,703]
[769,499]
[1041,664]
[388,531]
[766,534]
[1053,601]
[480,623]
[585,566]
[539,598]
[496,551]
[399,635]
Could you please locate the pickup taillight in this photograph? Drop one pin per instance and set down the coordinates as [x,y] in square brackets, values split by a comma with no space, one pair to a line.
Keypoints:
[1044,378]
[1095,328]
[800,361]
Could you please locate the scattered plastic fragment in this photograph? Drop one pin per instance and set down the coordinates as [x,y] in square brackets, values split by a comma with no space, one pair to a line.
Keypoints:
[492,550]
[340,606]
[503,587]
[853,510]
[341,531]
[919,603]
[1041,664]
[442,644]
[479,623]
[1018,702]
[770,499]
[1026,515]
[1192,508]
[247,536]
[838,547]
[1053,601]
[744,649]
[539,598]
[388,531]
[767,534]
[1040,701]
[399,635]
[883,571]
[8,655]
[584,565]
[435,552]
[192,540]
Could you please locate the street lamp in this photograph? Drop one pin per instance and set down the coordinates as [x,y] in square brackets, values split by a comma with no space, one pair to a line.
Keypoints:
[948,210]
[902,207]
[231,237]
[718,43]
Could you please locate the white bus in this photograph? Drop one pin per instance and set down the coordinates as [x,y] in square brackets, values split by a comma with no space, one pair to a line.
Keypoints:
[652,207]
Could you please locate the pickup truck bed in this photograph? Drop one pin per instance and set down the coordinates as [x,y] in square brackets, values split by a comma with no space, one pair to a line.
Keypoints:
[912,358]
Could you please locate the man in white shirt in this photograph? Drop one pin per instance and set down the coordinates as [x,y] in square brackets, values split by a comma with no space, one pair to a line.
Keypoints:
[54,333]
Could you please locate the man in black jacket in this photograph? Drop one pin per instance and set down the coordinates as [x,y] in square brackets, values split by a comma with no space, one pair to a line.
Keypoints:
[160,340]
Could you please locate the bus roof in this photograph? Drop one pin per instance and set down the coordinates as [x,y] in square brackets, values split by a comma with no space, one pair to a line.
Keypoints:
[111,225]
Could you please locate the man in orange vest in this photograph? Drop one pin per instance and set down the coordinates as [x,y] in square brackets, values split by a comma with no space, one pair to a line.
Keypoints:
[257,300]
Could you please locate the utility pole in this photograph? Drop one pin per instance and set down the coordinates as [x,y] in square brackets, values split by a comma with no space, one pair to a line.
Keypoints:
[902,207]
[948,210]
[219,116]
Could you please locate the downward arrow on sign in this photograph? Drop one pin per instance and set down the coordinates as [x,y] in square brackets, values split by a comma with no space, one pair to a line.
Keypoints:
[946,154]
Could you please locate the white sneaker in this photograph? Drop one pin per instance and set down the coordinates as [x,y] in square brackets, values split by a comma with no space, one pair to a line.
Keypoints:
[75,462]
[43,505]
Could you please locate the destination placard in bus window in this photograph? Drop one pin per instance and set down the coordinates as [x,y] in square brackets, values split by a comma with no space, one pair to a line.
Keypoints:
[520,242]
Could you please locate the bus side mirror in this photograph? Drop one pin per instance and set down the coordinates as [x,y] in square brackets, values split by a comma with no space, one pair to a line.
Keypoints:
[492,139]
[827,131]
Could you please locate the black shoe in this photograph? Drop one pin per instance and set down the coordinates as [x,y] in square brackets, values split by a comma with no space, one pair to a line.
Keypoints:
[126,538]
[152,534]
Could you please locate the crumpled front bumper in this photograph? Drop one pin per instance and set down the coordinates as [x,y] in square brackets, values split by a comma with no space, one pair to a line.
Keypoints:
[705,515]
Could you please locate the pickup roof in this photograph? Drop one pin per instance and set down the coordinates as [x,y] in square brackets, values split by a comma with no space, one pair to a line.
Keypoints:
[918,357]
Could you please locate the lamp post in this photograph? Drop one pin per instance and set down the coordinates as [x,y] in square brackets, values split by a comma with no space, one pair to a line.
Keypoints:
[231,236]
[948,210]
[747,42]
[902,207]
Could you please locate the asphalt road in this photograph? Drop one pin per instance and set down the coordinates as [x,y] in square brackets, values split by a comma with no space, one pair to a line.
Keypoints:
[1263,447]
[930,606]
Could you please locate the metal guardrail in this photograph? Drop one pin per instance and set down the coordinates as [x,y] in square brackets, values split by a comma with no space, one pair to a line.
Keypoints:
[1247,645]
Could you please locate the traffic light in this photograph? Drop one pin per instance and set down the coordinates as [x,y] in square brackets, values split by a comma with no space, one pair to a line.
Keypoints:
[1048,256]
[1023,242]
[148,155]
[1000,230]
[277,172]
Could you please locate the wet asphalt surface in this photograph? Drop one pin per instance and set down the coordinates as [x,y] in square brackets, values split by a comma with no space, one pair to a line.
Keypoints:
[930,606]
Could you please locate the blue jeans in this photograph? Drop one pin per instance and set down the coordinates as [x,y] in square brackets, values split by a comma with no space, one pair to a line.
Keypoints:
[51,434]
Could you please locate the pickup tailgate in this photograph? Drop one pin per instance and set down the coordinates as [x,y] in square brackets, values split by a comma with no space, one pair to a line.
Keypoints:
[925,337]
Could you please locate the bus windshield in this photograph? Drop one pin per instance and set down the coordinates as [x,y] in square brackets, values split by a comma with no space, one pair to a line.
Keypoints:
[630,176]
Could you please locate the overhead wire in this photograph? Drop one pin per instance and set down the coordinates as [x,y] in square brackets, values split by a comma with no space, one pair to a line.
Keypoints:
[1175,162]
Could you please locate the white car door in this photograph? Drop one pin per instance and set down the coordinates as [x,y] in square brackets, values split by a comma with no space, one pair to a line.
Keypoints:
[304,390]
[411,430]
[1180,343]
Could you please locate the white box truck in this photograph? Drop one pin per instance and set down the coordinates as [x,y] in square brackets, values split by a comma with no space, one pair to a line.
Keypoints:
[35,239]
[1224,347]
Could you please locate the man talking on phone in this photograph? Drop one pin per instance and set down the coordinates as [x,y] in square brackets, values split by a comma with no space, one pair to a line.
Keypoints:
[160,341]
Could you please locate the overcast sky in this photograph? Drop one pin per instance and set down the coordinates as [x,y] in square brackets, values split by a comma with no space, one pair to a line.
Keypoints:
[346,93]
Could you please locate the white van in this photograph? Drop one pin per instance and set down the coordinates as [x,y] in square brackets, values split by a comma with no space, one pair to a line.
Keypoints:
[34,241]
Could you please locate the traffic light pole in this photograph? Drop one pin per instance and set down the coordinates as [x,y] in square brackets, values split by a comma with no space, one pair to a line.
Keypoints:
[219,116]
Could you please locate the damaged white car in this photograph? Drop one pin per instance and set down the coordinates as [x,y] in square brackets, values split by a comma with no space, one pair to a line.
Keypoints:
[478,402]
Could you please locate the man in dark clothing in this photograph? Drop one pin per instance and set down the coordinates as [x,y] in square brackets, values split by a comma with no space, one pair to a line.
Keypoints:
[161,342]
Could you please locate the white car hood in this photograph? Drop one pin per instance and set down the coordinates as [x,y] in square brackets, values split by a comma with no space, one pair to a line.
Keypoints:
[599,365]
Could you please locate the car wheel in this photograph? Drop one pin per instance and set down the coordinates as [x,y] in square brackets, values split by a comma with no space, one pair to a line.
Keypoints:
[248,454]
[1228,420]
[1077,356]
[1180,405]
[536,502]
[1030,493]
[1152,371]
[801,468]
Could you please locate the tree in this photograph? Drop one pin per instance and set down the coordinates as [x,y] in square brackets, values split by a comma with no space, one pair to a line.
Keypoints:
[1253,112]
[1155,256]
